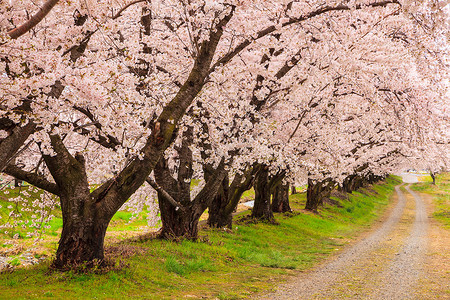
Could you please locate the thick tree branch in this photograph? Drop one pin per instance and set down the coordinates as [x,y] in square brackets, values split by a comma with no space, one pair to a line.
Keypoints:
[67,171]
[11,144]
[211,187]
[165,194]
[119,13]
[33,21]
[289,64]
[32,178]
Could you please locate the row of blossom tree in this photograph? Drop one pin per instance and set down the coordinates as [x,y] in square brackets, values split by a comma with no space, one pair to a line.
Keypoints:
[103,104]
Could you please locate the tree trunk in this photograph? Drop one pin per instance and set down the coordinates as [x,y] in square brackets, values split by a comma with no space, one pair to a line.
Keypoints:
[352,183]
[262,209]
[294,190]
[179,213]
[85,219]
[241,182]
[221,219]
[316,192]
[181,223]
[280,199]
[82,239]
[177,221]
[433,177]
[345,187]
[358,182]
[218,215]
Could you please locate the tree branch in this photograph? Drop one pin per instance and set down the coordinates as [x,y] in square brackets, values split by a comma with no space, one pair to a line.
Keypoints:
[268,30]
[32,178]
[11,144]
[118,14]
[33,21]
[165,194]
[109,141]
[211,187]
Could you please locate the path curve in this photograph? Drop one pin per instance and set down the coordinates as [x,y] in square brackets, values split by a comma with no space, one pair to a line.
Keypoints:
[396,278]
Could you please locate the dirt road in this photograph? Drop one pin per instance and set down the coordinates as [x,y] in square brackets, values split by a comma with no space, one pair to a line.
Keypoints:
[390,263]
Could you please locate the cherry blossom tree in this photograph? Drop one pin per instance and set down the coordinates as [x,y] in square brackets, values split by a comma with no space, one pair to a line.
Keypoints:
[105,90]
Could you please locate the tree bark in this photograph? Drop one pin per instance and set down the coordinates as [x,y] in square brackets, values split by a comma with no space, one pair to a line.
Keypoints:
[316,192]
[218,215]
[345,185]
[280,198]
[352,183]
[181,221]
[84,219]
[433,177]
[371,178]
[83,233]
[223,216]
[293,190]
[262,209]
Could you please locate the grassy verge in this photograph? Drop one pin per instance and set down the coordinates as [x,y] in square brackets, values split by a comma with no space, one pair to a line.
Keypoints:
[441,197]
[223,265]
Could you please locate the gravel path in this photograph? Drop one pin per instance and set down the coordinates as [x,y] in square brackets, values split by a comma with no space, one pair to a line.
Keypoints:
[384,265]
[403,273]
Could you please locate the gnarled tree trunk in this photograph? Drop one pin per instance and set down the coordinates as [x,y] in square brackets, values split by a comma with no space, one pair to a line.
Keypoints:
[180,214]
[218,215]
[222,214]
[316,192]
[181,223]
[84,218]
[293,190]
[280,198]
[262,209]
[83,233]
[177,221]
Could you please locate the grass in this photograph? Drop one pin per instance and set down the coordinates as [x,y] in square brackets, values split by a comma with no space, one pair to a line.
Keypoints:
[222,264]
[441,196]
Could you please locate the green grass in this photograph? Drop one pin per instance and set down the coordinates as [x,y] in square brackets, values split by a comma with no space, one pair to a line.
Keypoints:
[441,196]
[223,265]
